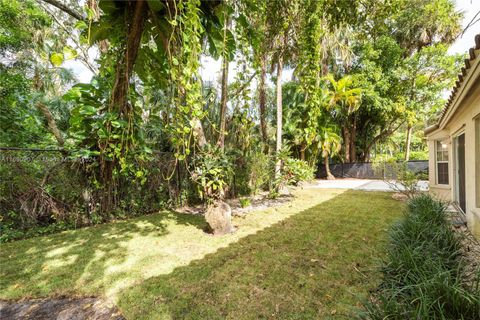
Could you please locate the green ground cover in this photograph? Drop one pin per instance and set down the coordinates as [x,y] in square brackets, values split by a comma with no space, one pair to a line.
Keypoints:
[314,257]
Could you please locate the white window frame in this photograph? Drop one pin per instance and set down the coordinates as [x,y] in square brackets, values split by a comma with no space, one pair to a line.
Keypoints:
[441,161]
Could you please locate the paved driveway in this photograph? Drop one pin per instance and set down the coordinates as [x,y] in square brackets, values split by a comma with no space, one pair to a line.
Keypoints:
[360,184]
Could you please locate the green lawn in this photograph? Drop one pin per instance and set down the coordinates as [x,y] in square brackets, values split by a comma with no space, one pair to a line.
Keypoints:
[314,257]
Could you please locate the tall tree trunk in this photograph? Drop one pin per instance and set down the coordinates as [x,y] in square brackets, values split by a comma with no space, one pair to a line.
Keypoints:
[119,96]
[199,133]
[303,147]
[324,59]
[262,99]
[353,135]
[408,142]
[346,143]
[52,124]
[278,165]
[223,104]
[124,67]
[224,95]
[330,176]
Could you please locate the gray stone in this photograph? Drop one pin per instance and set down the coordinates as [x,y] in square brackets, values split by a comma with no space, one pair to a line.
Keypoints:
[219,217]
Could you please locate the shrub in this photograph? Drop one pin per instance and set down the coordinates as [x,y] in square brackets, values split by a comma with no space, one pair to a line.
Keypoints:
[260,171]
[419,155]
[42,192]
[253,172]
[422,272]
[295,170]
[398,177]
[212,173]
[414,155]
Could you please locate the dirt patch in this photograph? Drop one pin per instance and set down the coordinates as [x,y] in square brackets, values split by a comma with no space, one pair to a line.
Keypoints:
[59,309]
[470,245]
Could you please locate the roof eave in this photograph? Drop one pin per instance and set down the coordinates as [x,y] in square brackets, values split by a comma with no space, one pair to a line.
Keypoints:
[465,78]
[430,129]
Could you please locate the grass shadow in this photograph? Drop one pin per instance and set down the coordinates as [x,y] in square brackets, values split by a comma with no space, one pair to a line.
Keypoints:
[284,262]
[313,265]
[83,261]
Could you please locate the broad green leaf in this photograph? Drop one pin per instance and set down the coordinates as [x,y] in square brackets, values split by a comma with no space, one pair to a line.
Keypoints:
[116,123]
[81,25]
[56,59]
[88,110]
[69,53]
[102,134]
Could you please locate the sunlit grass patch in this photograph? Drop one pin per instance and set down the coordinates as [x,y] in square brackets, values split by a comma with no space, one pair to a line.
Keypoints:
[317,264]
[104,259]
[314,257]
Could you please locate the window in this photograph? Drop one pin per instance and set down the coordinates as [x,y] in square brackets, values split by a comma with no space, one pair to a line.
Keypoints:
[442,162]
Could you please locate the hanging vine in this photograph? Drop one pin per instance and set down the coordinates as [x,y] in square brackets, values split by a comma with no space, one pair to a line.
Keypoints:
[184,62]
[309,70]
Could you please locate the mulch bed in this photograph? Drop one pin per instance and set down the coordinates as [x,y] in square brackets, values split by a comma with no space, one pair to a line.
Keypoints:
[471,254]
[470,245]
[258,202]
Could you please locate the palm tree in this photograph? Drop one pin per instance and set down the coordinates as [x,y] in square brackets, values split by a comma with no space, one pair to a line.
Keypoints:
[330,143]
[345,100]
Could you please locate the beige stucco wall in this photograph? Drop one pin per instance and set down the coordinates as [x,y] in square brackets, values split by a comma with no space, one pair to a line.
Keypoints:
[462,121]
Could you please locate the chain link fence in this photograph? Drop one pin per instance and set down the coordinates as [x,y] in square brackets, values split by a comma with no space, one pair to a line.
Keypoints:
[366,170]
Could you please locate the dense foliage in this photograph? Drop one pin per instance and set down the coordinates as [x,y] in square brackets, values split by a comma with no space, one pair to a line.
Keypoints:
[147,131]
[423,272]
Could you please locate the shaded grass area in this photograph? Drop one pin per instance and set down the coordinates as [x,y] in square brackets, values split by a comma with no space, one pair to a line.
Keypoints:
[317,264]
[314,257]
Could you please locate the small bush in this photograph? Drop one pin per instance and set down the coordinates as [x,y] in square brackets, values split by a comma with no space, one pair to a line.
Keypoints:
[414,155]
[422,273]
[213,173]
[295,170]
[398,176]
[253,172]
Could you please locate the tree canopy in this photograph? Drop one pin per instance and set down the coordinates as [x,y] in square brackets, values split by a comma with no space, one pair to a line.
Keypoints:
[365,74]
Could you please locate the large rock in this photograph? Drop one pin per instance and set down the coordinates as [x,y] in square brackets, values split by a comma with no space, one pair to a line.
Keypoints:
[219,217]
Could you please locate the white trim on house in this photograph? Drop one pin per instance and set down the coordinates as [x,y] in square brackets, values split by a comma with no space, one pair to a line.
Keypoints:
[441,161]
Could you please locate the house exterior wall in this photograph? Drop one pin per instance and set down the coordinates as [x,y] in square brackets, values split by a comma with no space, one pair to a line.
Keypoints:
[464,120]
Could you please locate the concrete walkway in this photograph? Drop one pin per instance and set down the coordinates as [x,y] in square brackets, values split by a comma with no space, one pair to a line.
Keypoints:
[360,184]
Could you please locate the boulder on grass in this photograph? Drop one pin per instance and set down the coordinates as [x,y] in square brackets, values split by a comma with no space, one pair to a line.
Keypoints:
[219,217]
